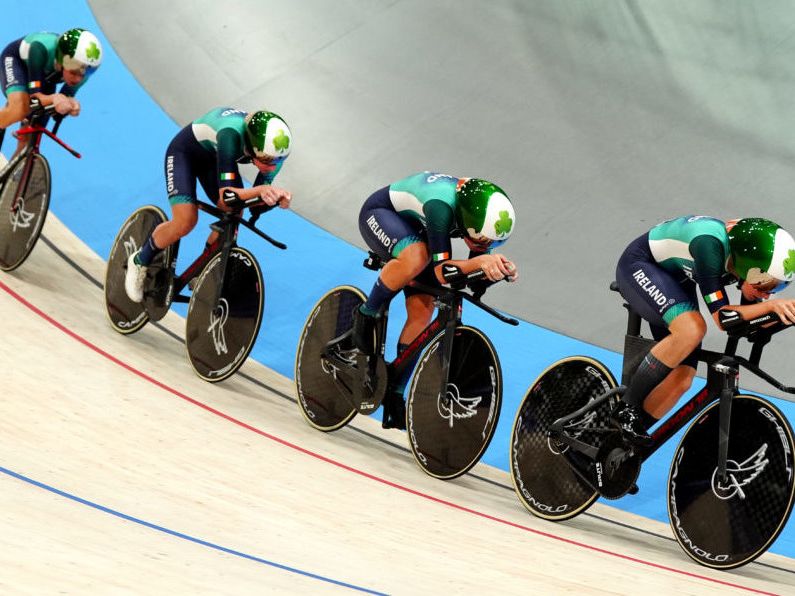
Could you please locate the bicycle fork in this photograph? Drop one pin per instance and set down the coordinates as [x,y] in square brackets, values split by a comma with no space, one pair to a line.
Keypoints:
[729,381]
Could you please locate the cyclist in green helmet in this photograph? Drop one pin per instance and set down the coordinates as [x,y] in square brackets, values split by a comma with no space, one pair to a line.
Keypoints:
[409,224]
[209,150]
[660,275]
[35,64]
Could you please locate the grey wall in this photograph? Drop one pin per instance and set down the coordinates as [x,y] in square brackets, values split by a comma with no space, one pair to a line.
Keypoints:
[598,118]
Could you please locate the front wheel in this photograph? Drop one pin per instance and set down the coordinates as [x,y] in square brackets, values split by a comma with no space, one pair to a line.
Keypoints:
[727,524]
[450,429]
[324,389]
[224,315]
[543,479]
[22,214]
[127,316]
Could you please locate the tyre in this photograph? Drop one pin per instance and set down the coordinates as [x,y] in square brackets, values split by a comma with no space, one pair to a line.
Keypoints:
[22,218]
[221,328]
[323,389]
[127,316]
[450,430]
[725,525]
[542,477]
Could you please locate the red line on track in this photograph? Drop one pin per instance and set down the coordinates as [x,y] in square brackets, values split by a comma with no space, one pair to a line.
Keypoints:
[362,473]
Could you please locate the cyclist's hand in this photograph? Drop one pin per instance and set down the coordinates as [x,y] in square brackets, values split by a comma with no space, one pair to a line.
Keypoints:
[75,107]
[496,267]
[285,200]
[784,308]
[269,195]
[62,104]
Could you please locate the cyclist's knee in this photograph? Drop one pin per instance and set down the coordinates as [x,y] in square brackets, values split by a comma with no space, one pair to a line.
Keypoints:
[17,108]
[184,219]
[406,266]
[688,329]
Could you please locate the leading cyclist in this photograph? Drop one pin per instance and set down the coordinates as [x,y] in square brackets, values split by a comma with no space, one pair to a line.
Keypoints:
[209,150]
[34,65]
[659,275]
[409,224]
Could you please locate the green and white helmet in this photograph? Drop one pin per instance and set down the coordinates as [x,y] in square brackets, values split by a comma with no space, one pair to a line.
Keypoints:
[484,211]
[267,136]
[78,49]
[763,253]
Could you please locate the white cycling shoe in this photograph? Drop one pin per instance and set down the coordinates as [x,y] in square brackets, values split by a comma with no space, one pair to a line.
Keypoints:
[135,278]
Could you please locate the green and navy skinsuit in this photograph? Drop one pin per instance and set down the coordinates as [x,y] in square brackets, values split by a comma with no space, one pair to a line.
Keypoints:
[660,273]
[209,150]
[29,65]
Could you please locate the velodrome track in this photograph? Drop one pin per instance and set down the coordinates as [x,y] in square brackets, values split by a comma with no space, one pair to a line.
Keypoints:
[123,472]
[85,422]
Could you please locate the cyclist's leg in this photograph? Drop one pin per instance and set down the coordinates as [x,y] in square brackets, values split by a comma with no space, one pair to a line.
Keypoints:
[15,111]
[419,310]
[665,395]
[182,166]
[181,186]
[397,241]
[662,301]
[14,85]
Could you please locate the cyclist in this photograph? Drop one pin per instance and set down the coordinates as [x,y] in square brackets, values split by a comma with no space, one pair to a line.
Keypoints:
[35,64]
[209,150]
[410,224]
[659,275]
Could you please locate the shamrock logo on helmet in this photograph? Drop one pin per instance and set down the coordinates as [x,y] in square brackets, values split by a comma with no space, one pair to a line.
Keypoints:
[503,225]
[789,263]
[281,142]
[93,51]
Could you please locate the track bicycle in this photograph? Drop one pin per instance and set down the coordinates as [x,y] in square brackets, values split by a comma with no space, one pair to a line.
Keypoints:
[227,288]
[25,186]
[455,393]
[731,483]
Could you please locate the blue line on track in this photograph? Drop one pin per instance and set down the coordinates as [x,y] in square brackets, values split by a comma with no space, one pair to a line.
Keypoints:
[185,536]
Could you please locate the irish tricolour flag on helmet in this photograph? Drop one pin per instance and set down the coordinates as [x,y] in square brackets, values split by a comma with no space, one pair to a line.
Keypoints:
[763,253]
[484,210]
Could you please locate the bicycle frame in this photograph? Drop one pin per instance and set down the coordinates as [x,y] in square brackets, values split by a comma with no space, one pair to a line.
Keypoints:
[722,383]
[35,132]
[227,225]
[449,306]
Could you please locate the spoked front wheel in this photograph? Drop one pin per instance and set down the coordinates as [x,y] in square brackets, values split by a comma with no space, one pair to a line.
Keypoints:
[22,214]
[324,390]
[450,429]
[222,326]
[544,481]
[727,524]
[127,316]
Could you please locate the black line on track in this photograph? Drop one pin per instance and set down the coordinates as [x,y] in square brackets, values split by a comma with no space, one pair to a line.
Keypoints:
[369,435]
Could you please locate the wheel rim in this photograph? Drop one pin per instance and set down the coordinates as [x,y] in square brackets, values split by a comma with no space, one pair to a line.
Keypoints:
[20,228]
[319,397]
[725,526]
[220,335]
[544,482]
[449,433]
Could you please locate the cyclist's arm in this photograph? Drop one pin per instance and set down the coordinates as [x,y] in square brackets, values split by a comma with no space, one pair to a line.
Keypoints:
[272,195]
[783,307]
[439,224]
[229,148]
[708,268]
